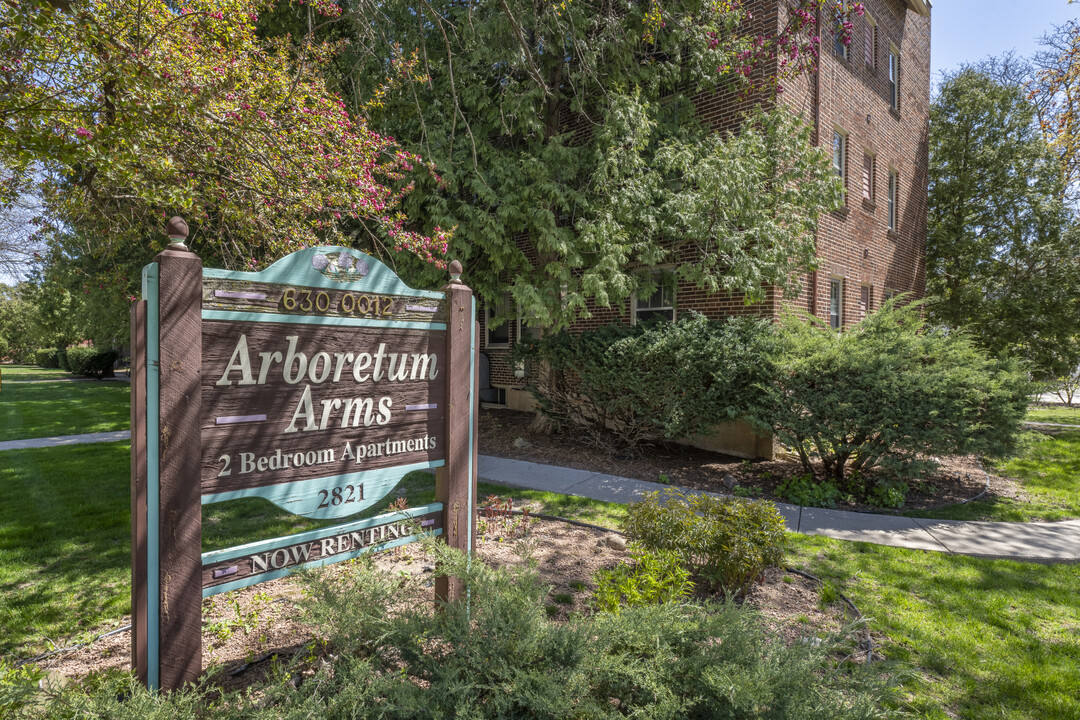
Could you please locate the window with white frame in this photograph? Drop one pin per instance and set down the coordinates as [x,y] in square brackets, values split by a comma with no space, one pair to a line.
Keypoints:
[894,188]
[497,324]
[894,77]
[660,305]
[839,155]
[836,303]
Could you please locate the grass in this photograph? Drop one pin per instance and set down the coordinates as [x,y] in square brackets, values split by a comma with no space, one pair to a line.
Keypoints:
[29,372]
[65,536]
[979,638]
[1062,414]
[49,409]
[1048,469]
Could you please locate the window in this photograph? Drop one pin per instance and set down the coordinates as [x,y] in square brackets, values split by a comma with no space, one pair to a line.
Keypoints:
[661,304]
[887,295]
[866,293]
[497,335]
[868,177]
[527,326]
[840,47]
[836,294]
[894,186]
[894,78]
[839,155]
[870,42]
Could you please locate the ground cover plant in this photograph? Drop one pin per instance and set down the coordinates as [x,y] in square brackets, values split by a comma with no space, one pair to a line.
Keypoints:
[499,656]
[887,395]
[34,410]
[982,638]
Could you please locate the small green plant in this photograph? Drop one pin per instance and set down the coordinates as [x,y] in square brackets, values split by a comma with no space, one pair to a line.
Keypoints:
[664,479]
[746,491]
[563,598]
[240,620]
[654,577]
[888,494]
[18,684]
[551,610]
[728,541]
[577,586]
[804,490]
[827,594]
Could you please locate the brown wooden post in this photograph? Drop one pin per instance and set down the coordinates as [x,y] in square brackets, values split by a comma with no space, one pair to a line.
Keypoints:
[138,491]
[180,452]
[455,482]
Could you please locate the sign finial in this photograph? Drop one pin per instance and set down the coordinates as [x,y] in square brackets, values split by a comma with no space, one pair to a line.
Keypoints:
[177,230]
[455,271]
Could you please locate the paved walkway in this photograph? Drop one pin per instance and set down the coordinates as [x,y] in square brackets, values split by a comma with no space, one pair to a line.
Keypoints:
[1034,542]
[65,440]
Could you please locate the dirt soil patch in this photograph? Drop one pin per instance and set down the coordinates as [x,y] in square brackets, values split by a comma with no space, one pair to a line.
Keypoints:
[244,629]
[510,434]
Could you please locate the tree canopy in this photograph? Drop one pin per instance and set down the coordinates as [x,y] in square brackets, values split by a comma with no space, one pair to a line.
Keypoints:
[1002,247]
[570,141]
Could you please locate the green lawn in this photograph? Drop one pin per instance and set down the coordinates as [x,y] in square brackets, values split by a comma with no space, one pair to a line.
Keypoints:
[973,638]
[1048,469]
[32,372]
[38,410]
[65,536]
[1055,414]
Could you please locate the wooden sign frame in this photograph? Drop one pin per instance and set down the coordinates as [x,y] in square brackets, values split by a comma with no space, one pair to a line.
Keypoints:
[218,413]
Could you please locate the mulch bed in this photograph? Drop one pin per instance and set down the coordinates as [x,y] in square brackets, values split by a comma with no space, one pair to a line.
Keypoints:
[510,434]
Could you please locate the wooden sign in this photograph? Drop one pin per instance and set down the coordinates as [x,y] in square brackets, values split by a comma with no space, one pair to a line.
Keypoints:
[316,384]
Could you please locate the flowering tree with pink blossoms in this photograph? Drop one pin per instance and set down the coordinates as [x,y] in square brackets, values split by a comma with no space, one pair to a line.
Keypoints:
[130,111]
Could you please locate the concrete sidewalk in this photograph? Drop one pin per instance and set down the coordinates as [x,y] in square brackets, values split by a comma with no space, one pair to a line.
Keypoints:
[65,440]
[1033,542]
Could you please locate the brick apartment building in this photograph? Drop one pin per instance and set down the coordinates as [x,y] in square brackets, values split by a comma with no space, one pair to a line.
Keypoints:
[868,101]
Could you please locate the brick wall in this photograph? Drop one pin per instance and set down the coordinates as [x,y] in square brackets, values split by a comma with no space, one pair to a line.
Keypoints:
[854,97]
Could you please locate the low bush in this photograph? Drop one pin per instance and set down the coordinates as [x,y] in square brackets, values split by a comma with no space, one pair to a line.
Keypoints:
[728,542]
[92,362]
[498,656]
[62,359]
[654,577]
[46,358]
[888,394]
[649,381]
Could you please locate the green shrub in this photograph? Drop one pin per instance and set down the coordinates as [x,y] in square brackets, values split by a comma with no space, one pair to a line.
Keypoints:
[92,362]
[62,359]
[888,394]
[655,576]
[649,381]
[803,490]
[727,541]
[46,358]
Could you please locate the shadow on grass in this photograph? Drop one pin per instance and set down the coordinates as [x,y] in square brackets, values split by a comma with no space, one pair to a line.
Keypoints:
[50,409]
[995,637]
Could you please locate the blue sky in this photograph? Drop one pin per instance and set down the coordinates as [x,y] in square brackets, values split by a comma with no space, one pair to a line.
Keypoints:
[966,31]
